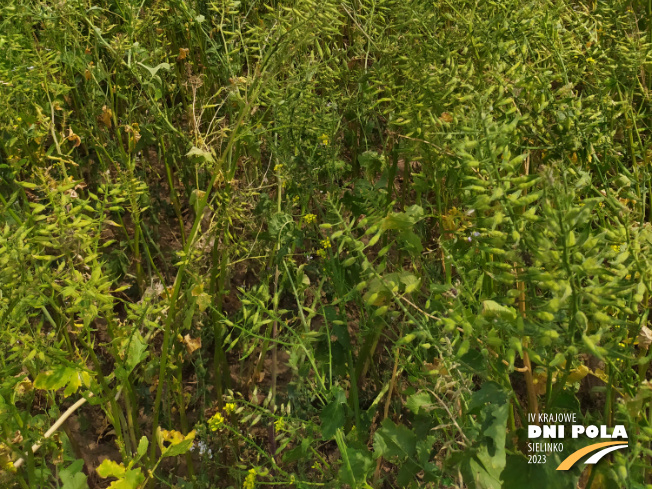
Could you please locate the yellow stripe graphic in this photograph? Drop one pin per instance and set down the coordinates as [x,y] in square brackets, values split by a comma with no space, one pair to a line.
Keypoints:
[574,457]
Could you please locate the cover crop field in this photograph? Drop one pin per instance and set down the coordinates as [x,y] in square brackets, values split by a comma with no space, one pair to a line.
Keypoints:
[325,243]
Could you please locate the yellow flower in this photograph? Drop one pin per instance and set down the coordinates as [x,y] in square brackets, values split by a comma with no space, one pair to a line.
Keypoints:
[310,218]
[616,248]
[590,60]
[216,421]
[323,139]
[321,253]
[278,168]
[250,480]
[279,424]
[325,243]
[229,408]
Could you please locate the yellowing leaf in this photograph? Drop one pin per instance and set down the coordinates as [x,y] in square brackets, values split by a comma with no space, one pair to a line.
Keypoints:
[74,138]
[178,444]
[107,116]
[109,468]
[59,377]
[127,478]
[539,380]
[446,117]
[192,344]
[577,374]
[23,387]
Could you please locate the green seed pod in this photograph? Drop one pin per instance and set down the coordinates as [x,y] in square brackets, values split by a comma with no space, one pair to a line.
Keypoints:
[381,310]
[374,240]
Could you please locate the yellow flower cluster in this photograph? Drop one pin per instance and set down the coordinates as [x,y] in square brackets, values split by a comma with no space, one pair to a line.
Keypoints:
[279,424]
[323,140]
[229,408]
[250,480]
[310,218]
[216,421]
[325,244]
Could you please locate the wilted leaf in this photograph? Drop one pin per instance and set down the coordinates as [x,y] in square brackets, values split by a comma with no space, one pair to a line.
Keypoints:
[107,116]
[446,117]
[192,344]
[644,337]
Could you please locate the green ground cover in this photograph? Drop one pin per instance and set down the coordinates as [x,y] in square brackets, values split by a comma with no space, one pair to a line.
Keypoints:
[322,243]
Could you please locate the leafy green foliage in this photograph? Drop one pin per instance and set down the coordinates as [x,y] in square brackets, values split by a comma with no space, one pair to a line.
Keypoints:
[364,239]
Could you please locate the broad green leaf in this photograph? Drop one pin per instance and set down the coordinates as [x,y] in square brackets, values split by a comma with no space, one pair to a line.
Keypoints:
[137,351]
[362,464]
[417,401]
[410,281]
[143,444]
[132,479]
[519,473]
[200,153]
[203,301]
[154,70]
[493,309]
[490,392]
[334,415]
[372,162]
[402,220]
[279,222]
[72,476]
[393,440]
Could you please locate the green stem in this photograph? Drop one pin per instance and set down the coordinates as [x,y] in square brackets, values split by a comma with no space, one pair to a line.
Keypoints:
[174,299]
